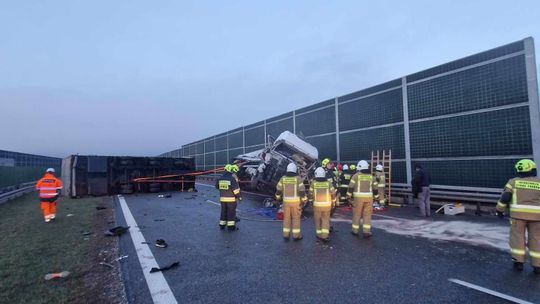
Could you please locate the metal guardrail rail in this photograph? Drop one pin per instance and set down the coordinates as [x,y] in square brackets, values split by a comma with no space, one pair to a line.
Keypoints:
[439,192]
[22,189]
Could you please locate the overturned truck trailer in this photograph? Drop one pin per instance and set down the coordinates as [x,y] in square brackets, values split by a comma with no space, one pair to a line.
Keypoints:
[107,175]
[263,168]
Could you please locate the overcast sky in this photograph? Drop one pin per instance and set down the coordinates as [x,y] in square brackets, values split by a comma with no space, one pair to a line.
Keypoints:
[145,77]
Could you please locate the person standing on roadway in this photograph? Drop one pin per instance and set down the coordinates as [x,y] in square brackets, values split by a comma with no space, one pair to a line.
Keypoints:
[420,185]
[380,181]
[522,195]
[323,194]
[291,190]
[344,180]
[49,187]
[229,192]
[361,191]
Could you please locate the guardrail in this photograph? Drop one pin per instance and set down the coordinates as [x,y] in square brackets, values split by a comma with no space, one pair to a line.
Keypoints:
[23,189]
[439,192]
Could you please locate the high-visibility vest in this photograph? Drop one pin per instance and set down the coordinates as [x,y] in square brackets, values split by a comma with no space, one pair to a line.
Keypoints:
[361,186]
[291,189]
[380,179]
[228,188]
[323,193]
[525,204]
[49,186]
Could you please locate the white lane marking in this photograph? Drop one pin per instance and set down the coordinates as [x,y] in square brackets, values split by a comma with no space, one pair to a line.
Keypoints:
[157,284]
[489,291]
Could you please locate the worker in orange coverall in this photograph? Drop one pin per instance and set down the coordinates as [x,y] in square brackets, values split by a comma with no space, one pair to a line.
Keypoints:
[49,190]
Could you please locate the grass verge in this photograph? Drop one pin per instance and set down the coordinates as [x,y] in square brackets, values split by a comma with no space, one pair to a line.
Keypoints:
[31,248]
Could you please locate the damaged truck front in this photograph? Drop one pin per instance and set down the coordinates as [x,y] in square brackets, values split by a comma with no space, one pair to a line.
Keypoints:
[262,169]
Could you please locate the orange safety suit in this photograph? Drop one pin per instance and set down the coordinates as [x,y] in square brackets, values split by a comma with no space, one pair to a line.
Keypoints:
[49,189]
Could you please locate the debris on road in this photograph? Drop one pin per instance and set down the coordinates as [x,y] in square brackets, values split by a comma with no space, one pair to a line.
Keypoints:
[63,274]
[106,264]
[100,208]
[70,214]
[121,258]
[165,196]
[159,220]
[161,243]
[116,231]
[173,265]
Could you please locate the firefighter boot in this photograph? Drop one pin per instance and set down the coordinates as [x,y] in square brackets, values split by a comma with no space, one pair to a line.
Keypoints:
[518,266]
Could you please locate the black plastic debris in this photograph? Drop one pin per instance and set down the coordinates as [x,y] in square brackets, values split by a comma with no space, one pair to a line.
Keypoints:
[116,231]
[161,243]
[100,208]
[173,265]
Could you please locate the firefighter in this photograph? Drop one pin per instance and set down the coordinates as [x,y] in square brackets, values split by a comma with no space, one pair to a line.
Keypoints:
[323,196]
[361,191]
[344,180]
[291,191]
[522,195]
[229,192]
[49,190]
[329,172]
[380,182]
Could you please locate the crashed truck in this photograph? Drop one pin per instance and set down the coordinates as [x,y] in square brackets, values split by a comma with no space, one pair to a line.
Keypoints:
[263,168]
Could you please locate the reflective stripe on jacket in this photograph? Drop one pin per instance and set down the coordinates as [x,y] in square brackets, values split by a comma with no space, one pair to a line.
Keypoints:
[228,188]
[322,192]
[291,189]
[361,186]
[49,186]
[525,203]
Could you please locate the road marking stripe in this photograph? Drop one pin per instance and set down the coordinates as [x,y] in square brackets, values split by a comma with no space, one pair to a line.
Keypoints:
[158,286]
[489,291]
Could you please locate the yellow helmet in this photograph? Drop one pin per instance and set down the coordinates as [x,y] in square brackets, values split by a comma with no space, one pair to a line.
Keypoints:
[228,167]
[234,168]
[525,165]
[352,167]
[325,162]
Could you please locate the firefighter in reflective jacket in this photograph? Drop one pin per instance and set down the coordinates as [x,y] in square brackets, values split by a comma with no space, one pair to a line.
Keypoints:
[522,196]
[323,194]
[344,180]
[380,183]
[361,192]
[291,190]
[229,192]
[49,190]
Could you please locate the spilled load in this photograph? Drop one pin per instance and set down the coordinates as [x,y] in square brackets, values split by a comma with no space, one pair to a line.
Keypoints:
[263,168]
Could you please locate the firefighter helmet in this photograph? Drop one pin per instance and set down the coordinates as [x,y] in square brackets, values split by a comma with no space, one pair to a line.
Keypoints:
[525,165]
[353,167]
[291,168]
[50,170]
[320,173]
[345,167]
[325,162]
[362,165]
[235,168]
[379,167]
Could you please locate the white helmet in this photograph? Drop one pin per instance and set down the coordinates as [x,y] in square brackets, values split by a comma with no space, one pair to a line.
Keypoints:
[362,165]
[320,173]
[291,168]
[345,167]
[50,170]
[379,167]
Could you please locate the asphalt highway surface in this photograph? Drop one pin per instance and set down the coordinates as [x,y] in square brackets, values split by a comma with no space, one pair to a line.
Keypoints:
[408,259]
